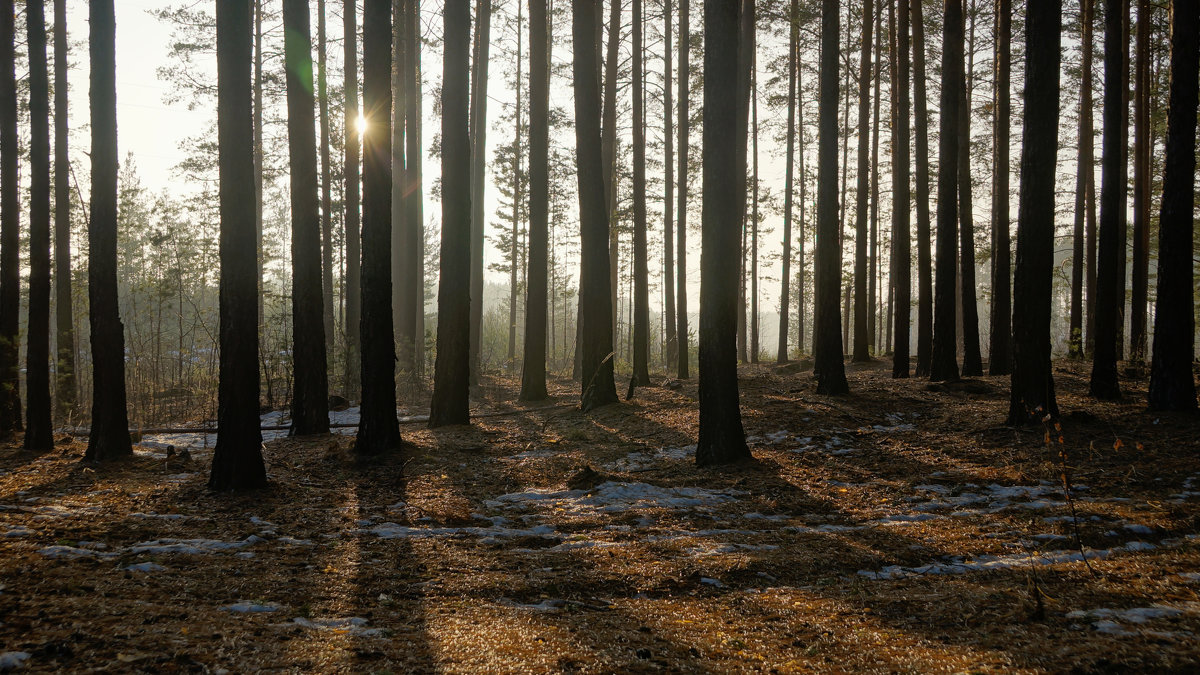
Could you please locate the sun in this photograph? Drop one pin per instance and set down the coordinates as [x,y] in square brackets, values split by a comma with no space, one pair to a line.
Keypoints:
[361,124]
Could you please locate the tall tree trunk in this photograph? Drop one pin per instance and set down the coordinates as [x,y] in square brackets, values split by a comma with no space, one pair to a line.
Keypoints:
[754,348]
[1087,163]
[641,292]
[671,341]
[1000,347]
[944,364]
[861,344]
[515,248]
[873,237]
[829,365]
[352,225]
[10,226]
[609,148]
[1032,379]
[65,382]
[1141,191]
[1123,194]
[921,144]
[1078,243]
[258,170]
[310,402]
[1109,286]
[533,373]
[237,459]
[901,201]
[326,189]
[681,306]
[378,430]
[451,385]
[596,311]
[1172,384]
[109,437]
[972,359]
[785,276]
[478,87]
[722,439]
[745,59]
[39,428]
[403,315]
[801,244]
[413,236]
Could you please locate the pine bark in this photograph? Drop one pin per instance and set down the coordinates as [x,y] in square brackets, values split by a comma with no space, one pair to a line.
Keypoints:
[1087,170]
[1000,347]
[924,235]
[1109,286]
[1172,384]
[378,429]
[670,341]
[608,136]
[533,374]
[1140,281]
[944,363]
[861,348]
[972,359]
[478,149]
[514,253]
[722,439]
[109,436]
[65,381]
[237,458]
[829,363]
[10,226]
[681,306]
[451,385]
[641,288]
[310,403]
[788,184]
[902,203]
[39,428]
[413,282]
[1032,379]
[326,188]
[353,186]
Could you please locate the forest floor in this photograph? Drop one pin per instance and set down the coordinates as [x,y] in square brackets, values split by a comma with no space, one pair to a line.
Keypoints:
[900,529]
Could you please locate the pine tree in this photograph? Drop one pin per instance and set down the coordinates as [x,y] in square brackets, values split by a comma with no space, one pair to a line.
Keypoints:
[921,142]
[478,126]
[533,374]
[351,198]
[681,316]
[861,342]
[944,364]
[901,206]
[10,228]
[1083,238]
[788,181]
[39,431]
[65,381]
[641,286]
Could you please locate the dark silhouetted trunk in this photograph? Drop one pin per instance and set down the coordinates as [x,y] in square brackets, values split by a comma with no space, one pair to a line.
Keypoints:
[722,439]
[478,125]
[608,148]
[861,349]
[378,430]
[681,307]
[65,381]
[902,202]
[1109,286]
[800,273]
[414,207]
[972,359]
[788,183]
[944,364]
[1032,379]
[237,459]
[596,311]
[1172,385]
[10,227]
[533,374]
[754,348]
[670,342]
[1141,190]
[310,402]
[1000,347]
[1087,163]
[353,250]
[1082,197]
[641,288]
[745,59]
[514,253]
[326,188]
[921,144]
[451,384]
[39,429]
[109,437]
[827,344]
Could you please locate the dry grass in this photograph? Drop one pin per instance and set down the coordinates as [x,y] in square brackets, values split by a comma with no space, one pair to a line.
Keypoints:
[700,589]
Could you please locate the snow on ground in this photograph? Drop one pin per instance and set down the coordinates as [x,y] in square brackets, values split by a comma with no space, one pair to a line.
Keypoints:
[13,660]
[1115,621]
[354,625]
[614,497]
[251,608]
[645,460]
[983,563]
[988,499]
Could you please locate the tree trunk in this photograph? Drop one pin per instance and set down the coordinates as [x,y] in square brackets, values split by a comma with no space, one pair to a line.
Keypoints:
[861,343]
[1172,385]
[800,273]
[641,292]
[921,143]
[1078,243]
[451,385]
[479,99]
[533,373]
[10,229]
[788,182]
[671,341]
[754,348]
[1123,194]
[109,437]
[1032,379]
[326,190]
[681,306]
[1000,347]
[39,428]
[1141,191]
[722,439]
[258,171]
[596,311]
[972,359]
[514,241]
[873,237]
[944,364]
[1087,165]
[65,382]
[827,345]
[352,225]
[378,430]
[609,148]
[901,200]
[310,402]
[403,315]
[1104,383]
[413,237]
[745,59]
[237,459]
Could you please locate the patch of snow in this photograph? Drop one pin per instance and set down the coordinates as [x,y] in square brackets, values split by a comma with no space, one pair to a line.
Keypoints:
[1139,529]
[759,516]
[715,583]
[13,660]
[72,552]
[645,460]
[1190,576]
[905,518]
[548,605]
[159,516]
[144,567]
[1138,615]
[986,563]
[355,625]
[251,608]
[18,531]
[395,531]
[615,497]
